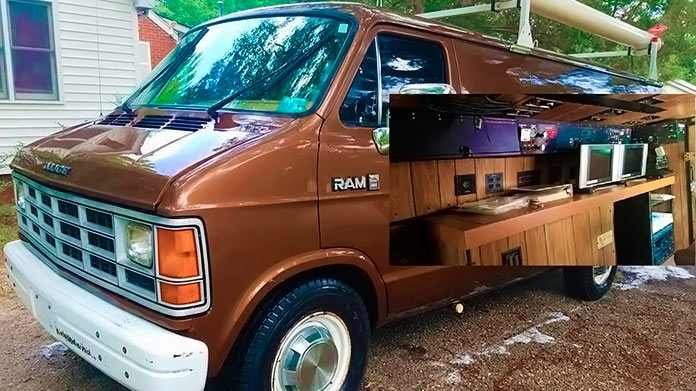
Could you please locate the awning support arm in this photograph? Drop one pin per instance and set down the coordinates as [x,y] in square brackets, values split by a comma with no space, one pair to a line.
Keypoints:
[524,34]
[525,39]
[652,50]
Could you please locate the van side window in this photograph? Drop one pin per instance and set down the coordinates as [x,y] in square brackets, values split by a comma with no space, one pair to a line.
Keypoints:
[360,106]
[408,61]
[402,61]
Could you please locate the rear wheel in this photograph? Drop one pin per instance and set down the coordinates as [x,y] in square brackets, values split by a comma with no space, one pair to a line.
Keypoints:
[313,337]
[589,282]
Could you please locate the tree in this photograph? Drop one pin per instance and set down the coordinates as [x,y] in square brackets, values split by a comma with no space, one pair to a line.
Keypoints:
[676,61]
[188,12]
[194,12]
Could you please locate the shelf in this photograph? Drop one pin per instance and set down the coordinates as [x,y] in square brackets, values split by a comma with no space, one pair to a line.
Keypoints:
[660,221]
[468,231]
[656,199]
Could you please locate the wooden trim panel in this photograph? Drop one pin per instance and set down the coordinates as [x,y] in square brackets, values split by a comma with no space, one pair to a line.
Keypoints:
[419,188]
[563,232]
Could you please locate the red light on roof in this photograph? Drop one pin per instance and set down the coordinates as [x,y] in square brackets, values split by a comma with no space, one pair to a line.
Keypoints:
[658,29]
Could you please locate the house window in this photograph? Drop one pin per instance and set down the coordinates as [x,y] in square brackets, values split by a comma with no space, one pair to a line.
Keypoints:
[3,70]
[31,51]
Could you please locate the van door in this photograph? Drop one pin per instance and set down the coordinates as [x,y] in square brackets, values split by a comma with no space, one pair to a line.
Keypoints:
[354,215]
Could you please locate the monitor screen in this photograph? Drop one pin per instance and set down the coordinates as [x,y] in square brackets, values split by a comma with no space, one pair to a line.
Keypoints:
[600,165]
[633,160]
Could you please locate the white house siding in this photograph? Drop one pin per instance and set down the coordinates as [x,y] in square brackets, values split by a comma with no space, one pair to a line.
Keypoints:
[96,46]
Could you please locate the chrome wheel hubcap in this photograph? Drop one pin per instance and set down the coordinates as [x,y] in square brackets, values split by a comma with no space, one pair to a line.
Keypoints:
[601,274]
[313,356]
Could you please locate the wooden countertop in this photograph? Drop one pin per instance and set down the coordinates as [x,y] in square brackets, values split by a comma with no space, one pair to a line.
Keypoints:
[469,231]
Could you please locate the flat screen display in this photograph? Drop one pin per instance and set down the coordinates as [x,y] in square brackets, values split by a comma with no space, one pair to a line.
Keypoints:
[633,160]
[600,165]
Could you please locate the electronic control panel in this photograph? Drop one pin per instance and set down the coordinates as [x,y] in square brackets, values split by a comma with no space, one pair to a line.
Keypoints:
[659,133]
[571,136]
[618,134]
[421,135]
[454,136]
[537,137]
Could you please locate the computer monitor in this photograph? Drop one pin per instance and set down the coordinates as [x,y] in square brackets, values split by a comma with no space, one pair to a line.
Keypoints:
[597,165]
[633,160]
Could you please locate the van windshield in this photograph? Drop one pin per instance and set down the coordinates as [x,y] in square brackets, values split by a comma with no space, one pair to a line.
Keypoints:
[226,58]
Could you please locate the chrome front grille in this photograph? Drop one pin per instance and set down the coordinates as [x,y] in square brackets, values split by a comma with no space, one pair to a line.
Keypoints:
[81,236]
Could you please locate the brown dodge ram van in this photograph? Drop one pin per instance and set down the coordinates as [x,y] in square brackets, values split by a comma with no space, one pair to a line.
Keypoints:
[207,226]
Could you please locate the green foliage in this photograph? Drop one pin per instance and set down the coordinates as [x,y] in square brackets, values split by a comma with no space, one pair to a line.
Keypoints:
[188,12]
[8,233]
[6,157]
[194,12]
[676,61]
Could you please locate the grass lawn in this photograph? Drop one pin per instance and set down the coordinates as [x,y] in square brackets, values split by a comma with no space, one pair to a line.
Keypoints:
[8,228]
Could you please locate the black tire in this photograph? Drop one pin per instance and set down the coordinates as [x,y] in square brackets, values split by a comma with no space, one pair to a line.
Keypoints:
[580,282]
[250,367]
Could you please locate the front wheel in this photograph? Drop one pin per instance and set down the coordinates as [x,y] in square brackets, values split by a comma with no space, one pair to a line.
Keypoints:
[589,282]
[313,337]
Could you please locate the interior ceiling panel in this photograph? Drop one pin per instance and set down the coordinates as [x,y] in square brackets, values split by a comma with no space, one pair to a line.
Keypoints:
[616,109]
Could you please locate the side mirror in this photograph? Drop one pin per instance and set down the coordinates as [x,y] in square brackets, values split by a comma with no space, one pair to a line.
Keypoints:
[381,138]
[427,88]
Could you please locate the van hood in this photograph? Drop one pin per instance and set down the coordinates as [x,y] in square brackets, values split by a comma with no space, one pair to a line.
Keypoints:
[132,165]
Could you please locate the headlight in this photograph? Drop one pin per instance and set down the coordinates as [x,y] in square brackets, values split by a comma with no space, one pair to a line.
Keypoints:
[19,194]
[139,243]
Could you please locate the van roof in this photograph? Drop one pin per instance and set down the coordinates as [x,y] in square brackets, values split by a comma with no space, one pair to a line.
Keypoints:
[364,12]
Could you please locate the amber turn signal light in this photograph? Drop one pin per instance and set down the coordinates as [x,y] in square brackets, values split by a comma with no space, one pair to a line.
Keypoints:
[177,255]
[180,294]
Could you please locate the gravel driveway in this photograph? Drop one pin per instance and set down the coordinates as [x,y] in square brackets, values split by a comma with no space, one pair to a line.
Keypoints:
[525,337]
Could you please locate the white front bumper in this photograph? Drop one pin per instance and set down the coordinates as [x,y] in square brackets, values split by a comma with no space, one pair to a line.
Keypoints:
[134,352]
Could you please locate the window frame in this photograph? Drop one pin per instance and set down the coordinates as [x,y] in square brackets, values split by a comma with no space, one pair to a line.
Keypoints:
[4,71]
[6,58]
[378,63]
[446,52]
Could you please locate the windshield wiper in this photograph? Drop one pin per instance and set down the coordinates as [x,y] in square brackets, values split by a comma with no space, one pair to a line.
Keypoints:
[180,56]
[125,106]
[274,76]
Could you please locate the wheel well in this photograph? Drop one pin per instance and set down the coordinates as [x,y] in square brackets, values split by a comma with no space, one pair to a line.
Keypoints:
[351,275]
